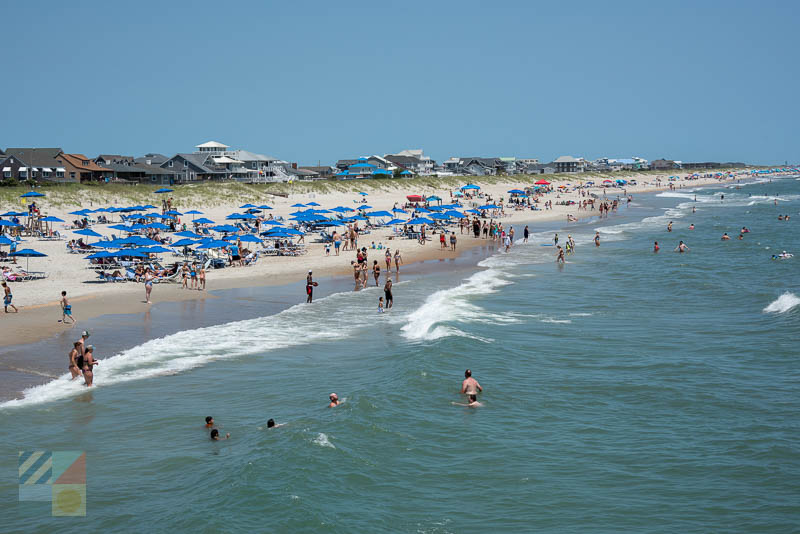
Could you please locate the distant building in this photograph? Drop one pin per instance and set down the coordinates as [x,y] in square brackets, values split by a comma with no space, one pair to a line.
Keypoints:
[82,169]
[152,159]
[40,164]
[104,159]
[473,166]
[413,160]
[663,164]
[569,164]
[323,172]
[213,161]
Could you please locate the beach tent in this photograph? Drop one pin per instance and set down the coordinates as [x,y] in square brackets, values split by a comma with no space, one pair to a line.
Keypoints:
[163,190]
[542,182]
[414,198]
[469,186]
[32,194]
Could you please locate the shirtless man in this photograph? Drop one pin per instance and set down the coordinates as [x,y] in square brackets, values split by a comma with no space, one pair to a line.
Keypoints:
[725,236]
[470,386]
[66,309]
[310,285]
[682,248]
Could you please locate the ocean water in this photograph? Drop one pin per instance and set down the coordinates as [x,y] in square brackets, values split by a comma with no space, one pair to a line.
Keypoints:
[625,391]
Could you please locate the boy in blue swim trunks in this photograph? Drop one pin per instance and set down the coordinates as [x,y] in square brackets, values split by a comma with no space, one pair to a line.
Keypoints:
[66,309]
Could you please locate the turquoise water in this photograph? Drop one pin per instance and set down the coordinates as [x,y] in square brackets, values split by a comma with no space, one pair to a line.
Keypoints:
[624,392]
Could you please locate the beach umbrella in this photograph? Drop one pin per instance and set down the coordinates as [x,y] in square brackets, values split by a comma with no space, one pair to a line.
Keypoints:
[78,212]
[130,253]
[298,206]
[363,194]
[6,241]
[88,232]
[13,214]
[154,250]
[439,217]
[194,212]
[516,192]
[489,207]
[225,228]
[435,208]
[454,213]
[264,207]
[476,212]
[378,214]
[398,210]
[420,220]
[341,209]
[28,253]
[157,226]
[364,207]
[163,190]
[312,204]
[396,221]
[233,216]
[203,220]
[247,238]
[99,255]
[187,233]
[32,194]
[247,206]
[423,210]
[271,223]
[184,243]
[9,223]
[470,186]
[140,241]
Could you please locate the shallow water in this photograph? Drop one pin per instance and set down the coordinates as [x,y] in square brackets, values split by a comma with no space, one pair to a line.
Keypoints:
[626,391]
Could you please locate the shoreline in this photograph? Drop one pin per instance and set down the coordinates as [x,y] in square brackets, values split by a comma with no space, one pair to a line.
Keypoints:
[122,298]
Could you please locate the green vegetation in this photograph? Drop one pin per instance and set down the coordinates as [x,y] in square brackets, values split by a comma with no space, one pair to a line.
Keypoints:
[210,194]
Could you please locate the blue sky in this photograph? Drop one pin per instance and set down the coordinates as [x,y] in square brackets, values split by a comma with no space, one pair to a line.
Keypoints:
[318,81]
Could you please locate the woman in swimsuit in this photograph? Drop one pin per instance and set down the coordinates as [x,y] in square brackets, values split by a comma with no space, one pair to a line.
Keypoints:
[376,271]
[201,275]
[148,284]
[73,364]
[398,259]
[87,362]
[185,276]
[193,274]
[388,260]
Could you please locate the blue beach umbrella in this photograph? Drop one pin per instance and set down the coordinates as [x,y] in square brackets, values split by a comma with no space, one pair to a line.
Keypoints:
[363,194]
[50,218]
[271,223]
[516,192]
[225,228]
[203,220]
[246,238]
[163,190]
[398,210]
[364,207]
[214,244]
[194,212]
[187,233]
[469,186]
[396,221]
[454,213]
[312,204]
[154,250]
[420,220]
[476,212]
[6,241]
[88,232]
[174,212]
[247,206]
[298,205]
[32,194]
[439,217]
[13,214]
[157,226]
[264,207]
[9,223]
[27,253]
[378,214]
[99,255]
[184,243]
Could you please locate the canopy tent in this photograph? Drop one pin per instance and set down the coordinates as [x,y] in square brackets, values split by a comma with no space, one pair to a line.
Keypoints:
[542,182]
[163,190]
[469,186]
[31,194]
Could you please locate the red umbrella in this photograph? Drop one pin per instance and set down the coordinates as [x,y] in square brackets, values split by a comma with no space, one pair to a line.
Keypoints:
[542,182]
[414,198]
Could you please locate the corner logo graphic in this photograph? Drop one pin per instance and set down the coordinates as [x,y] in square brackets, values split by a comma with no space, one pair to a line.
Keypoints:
[58,477]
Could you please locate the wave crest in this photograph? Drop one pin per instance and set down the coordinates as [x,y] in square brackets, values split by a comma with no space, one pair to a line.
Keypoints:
[783,304]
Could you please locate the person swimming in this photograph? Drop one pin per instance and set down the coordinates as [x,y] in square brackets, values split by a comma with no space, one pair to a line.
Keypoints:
[334,398]
[216,437]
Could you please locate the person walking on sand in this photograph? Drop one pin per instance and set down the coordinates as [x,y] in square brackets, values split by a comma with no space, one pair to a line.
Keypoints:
[148,284]
[470,386]
[66,309]
[398,259]
[442,242]
[7,298]
[387,292]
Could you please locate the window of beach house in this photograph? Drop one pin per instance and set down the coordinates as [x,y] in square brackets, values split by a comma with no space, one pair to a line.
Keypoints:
[7,173]
[71,174]
[170,163]
[185,163]
[59,174]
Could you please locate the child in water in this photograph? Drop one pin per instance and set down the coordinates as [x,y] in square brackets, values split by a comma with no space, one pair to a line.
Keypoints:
[380,305]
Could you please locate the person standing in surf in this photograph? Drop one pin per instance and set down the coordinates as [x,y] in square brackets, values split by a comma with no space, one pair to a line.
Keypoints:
[525,234]
[597,239]
[310,285]
[387,292]
[470,386]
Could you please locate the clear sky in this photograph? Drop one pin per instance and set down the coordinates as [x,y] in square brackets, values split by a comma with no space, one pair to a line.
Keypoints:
[306,81]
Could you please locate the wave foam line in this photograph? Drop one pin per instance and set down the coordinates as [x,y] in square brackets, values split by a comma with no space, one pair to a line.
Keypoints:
[452,305]
[783,304]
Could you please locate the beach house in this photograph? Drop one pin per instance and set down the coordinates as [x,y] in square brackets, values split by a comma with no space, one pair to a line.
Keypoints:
[41,164]
[214,161]
[569,164]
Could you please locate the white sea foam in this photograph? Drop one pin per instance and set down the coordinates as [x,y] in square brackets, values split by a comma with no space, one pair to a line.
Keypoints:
[323,441]
[452,305]
[556,321]
[580,314]
[189,349]
[783,304]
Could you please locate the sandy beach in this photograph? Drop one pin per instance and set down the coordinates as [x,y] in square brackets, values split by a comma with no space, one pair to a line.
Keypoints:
[38,300]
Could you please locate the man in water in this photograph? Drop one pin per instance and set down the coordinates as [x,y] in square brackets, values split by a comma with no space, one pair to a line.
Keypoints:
[525,234]
[271,424]
[310,284]
[571,243]
[209,422]
[725,236]
[682,248]
[334,400]
[66,309]
[387,292]
[82,342]
[470,386]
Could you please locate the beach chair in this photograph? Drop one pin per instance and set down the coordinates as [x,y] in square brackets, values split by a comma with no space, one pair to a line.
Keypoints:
[251,259]
[27,276]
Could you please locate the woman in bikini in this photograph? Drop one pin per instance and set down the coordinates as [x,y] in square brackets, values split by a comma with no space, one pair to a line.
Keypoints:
[73,364]
[201,275]
[376,271]
[193,274]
